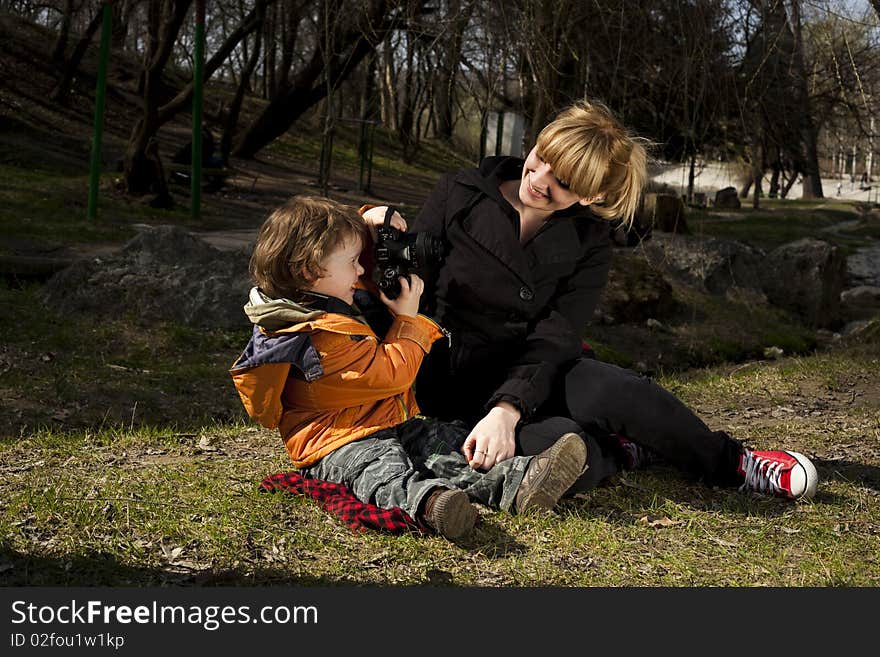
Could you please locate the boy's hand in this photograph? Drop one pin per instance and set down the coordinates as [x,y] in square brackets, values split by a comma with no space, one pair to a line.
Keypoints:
[376,217]
[407,302]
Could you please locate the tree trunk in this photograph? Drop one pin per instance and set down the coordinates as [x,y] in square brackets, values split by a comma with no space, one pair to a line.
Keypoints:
[789,183]
[406,114]
[230,118]
[142,175]
[249,23]
[62,89]
[447,69]
[308,87]
[119,28]
[63,33]
[773,192]
[808,130]
[691,171]
[290,17]
[270,81]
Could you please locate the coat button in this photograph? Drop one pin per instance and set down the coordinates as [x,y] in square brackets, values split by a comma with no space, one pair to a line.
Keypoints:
[526,294]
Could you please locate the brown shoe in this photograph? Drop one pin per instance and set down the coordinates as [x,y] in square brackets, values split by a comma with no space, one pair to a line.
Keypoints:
[551,473]
[449,512]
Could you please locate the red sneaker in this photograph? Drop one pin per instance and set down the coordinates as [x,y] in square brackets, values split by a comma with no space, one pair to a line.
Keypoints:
[779,472]
[635,455]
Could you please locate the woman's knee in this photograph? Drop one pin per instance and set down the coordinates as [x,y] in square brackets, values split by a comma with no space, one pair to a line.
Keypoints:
[540,434]
[594,388]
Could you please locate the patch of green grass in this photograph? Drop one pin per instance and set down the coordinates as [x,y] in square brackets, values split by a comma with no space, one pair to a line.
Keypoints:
[165,492]
[77,372]
[153,508]
[768,230]
[50,208]
[705,330]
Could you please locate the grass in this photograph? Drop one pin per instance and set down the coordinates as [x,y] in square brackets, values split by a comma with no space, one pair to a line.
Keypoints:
[130,462]
[126,459]
[75,372]
[155,507]
[780,221]
[705,330]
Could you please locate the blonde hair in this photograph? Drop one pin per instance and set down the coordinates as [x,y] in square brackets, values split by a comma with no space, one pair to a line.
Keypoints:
[594,153]
[295,239]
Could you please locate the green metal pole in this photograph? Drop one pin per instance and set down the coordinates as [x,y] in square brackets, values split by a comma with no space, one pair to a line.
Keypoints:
[362,151]
[198,64]
[100,94]
[370,136]
[499,133]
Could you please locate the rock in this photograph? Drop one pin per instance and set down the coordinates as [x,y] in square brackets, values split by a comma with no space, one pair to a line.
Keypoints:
[806,278]
[662,211]
[164,273]
[635,291]
[863,266]
[713,264]
[863,295]
[727,198]
[857,327]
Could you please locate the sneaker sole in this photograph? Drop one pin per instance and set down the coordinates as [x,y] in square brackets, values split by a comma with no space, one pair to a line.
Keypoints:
[812,477]
[454,514]
[568,458]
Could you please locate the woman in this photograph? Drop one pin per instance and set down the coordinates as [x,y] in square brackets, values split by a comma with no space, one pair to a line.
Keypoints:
[527,256]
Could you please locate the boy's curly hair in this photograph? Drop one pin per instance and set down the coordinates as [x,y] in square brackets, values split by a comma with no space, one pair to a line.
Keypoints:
[295,239]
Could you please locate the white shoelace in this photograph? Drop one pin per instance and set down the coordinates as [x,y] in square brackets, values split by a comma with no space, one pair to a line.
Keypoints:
[762,474]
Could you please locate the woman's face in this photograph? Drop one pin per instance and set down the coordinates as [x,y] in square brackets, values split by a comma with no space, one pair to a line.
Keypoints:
[542,190]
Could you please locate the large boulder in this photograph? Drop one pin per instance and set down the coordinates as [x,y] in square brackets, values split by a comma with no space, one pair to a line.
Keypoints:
[635,291]
[164,273]
[806,278]
[863,266]
[713,264]
[727,198]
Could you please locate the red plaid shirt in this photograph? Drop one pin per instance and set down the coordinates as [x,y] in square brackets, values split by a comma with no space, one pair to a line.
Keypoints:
[340,501]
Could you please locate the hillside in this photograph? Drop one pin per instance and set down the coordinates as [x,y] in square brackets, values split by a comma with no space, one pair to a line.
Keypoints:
[43,191]
[46,148]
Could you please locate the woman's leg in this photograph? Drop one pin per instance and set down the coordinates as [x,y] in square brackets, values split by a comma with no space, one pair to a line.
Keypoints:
[536,435]
[604,398]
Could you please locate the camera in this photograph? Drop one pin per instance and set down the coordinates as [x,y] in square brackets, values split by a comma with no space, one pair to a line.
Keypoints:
[400,254]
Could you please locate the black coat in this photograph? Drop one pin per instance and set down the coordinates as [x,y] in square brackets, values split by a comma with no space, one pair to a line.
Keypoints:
[516,313]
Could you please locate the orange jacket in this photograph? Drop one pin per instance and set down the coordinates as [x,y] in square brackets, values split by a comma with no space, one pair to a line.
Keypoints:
[324,379]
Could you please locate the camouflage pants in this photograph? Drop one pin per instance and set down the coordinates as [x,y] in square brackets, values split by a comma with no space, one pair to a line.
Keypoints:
[401,465]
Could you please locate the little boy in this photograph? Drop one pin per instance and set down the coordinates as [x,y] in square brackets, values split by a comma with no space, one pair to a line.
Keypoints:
[340,390]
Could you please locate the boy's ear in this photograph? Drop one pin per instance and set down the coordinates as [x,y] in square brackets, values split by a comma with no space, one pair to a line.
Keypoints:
[307,275]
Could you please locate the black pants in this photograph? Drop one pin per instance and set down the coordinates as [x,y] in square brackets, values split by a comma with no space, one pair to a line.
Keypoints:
[598,400]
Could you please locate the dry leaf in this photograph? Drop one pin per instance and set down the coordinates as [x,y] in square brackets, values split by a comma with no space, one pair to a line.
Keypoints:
[658,521]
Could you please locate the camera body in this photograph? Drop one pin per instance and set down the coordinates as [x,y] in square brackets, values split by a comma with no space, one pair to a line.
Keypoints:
[401,254]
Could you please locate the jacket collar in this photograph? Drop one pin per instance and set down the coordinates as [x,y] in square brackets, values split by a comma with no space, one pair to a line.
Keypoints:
[495,170]
[496,230]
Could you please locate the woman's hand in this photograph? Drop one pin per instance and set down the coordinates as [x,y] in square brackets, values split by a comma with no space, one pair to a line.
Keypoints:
[493,438]
[407,302]
[376,217]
